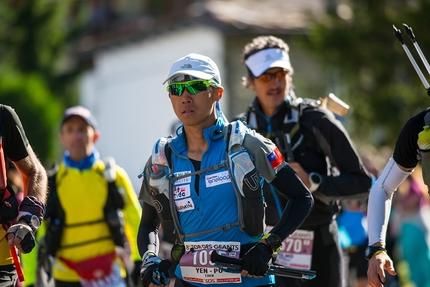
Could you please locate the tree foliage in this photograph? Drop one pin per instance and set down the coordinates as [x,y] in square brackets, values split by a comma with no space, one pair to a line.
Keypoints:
[356,39]
[32,100]
[33,78]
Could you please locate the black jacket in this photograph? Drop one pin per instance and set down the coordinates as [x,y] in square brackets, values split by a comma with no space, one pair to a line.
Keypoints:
[320,144]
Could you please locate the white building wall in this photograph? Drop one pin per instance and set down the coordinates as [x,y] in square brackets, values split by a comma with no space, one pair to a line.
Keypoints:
[125,92]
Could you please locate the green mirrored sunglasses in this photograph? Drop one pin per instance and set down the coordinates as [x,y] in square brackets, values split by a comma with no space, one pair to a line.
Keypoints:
[194,87]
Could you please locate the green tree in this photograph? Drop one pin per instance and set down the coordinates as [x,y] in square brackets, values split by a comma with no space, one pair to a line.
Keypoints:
[36,107]
[34,78]
[375,77]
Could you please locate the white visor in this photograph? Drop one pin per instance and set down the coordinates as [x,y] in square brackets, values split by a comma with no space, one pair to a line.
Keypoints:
[265,59]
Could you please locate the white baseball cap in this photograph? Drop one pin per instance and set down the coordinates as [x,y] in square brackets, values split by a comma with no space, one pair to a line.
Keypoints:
[82,112]
[265,59]
[195,65]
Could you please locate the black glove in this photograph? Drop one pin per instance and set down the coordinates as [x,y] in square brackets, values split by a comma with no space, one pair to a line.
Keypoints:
[154,270]
[24,232]
[256,260]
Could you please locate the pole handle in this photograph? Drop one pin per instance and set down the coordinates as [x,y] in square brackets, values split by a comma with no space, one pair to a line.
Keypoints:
[278,270]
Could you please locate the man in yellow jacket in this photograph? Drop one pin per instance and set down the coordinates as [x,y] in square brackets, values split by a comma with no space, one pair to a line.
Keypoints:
[93,210]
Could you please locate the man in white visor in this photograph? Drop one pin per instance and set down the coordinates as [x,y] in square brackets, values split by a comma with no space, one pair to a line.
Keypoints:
[317,147]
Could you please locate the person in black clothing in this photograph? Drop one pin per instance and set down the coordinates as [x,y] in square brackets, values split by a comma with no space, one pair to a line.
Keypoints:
[316,146]
[18,222]
[410,149]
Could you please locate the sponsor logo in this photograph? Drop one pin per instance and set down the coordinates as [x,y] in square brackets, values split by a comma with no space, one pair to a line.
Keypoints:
[217,179]
[184,204]
[158,206]
[181,191]
[182,180]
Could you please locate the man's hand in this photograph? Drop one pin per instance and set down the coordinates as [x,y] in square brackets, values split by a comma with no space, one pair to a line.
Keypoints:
[256,260]
[22,236]
[154,270]
[375,272]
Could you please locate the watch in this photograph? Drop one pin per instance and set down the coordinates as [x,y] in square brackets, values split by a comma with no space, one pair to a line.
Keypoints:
[32,220]
[274,241]
[315,180]
[371,250]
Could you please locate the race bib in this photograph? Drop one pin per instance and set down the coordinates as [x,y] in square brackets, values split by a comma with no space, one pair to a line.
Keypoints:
[296,250]
[197,267]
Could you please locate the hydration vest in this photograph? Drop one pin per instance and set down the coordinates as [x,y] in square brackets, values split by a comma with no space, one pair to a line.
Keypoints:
[243,174]
[56,215]
[288,136]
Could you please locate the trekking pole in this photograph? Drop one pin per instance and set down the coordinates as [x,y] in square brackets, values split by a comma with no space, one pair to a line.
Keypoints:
[399,37]
[17,263]
[410,33]
[234,264]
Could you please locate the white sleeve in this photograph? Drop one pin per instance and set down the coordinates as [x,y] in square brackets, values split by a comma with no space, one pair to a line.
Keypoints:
[379,205]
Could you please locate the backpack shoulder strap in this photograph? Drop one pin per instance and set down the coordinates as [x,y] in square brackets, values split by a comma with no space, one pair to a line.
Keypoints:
[235,133]
[53,204]
[160,154]
[115,198]
[54,215]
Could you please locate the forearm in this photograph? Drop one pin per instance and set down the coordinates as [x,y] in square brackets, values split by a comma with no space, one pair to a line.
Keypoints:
[35,181]
[348,178]
[380,200]
[300,201]
[37,186]
[346,185]
[378,213]
[147,236]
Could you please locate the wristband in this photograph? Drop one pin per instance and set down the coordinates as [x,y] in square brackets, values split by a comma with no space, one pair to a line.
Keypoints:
[377,252]
[372,250]
[274,241]
[31,205]
[315,180]
[32,220]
